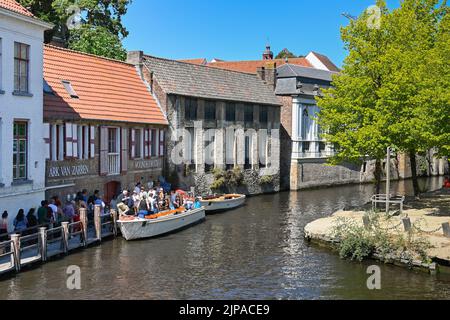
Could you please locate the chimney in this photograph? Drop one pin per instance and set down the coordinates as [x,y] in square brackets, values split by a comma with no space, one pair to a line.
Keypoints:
[268,54]
[137,58]
[268,74]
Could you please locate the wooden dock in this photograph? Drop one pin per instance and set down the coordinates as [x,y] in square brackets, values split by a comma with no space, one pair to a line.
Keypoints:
[41,244]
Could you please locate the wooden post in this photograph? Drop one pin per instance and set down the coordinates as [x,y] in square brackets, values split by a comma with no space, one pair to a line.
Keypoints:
[366,222]
[114,219]
[446,228]
[407,224]
[98,222]
[84,225]
[66,234]
[43,243]
[15,238]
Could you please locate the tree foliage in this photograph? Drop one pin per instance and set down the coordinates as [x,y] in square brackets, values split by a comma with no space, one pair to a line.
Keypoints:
[285,53]
[387,94]
[100,20]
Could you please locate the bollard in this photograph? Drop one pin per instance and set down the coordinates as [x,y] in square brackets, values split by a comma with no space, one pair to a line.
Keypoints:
[15,238]
[84,224]
[407,224]
[114,219]
[446,228]
[43,243]
[66,234]
[366,221]
[98,222]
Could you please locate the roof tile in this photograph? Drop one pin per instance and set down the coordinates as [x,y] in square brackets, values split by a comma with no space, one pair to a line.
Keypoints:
[252,66]
[192,80]
[108,90]
[13,5]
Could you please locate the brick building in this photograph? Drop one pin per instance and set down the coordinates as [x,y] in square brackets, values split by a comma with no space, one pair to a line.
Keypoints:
[218,119]
[103,129]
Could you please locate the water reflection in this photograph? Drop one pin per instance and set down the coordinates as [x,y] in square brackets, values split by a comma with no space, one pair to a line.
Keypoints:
[255,252]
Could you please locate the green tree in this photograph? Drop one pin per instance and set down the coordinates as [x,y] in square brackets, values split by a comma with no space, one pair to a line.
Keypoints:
[409,89]
[100,19]
[98,41]
[387,94]
[351,114]
[285,53]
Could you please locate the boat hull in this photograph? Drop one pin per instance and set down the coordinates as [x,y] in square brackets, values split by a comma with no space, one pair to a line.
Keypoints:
[144,228]
[224,205]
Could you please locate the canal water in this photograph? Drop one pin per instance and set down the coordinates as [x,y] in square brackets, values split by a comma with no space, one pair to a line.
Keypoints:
[255,252]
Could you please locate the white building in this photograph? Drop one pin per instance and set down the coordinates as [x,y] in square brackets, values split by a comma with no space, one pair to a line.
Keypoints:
[22,158]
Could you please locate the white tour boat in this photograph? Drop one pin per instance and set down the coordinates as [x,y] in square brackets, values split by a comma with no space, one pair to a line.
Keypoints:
[134,228]
[223,202]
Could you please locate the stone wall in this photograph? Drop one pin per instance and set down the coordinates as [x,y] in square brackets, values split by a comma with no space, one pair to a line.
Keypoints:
[251,185]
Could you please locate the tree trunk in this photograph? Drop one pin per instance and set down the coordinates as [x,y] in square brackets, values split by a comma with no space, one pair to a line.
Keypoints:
[378,172]
[412,157]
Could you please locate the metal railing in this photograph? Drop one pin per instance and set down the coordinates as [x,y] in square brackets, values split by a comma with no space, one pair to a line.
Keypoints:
[383,198]
[7,249]
[55,241]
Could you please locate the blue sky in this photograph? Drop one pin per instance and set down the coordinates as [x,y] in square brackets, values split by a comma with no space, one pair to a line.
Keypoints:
[239,29]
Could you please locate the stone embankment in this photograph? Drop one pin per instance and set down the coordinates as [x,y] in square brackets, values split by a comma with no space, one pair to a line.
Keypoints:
[426,219]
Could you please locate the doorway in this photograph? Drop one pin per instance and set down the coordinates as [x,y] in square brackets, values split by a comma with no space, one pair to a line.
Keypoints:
[111,189]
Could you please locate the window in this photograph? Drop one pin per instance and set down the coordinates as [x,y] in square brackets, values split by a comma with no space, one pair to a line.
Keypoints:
[190,112]
[68,86]
[155,143]
[85,142]
[263,114]
[210,110]
[248,113]
[138,143]
[230,112]
[58,142]
[20,149]
[306,146]
[112,141]
[21,67]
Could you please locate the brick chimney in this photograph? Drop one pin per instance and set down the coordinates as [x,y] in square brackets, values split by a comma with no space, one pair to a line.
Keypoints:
[268,54]
[268,74]
[137,58]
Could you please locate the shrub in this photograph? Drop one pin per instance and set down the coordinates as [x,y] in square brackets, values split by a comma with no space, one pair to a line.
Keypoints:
[358,243]
[266,180]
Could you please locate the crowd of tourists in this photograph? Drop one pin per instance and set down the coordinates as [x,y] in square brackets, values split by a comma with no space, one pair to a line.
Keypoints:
[50,214]
[152,199]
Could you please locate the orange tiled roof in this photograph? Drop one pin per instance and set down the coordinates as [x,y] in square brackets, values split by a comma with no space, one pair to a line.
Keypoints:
[200,61]
[15,6]
[108,90]
[252,66]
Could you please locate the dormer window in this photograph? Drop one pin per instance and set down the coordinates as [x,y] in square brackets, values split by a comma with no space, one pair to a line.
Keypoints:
[68,86]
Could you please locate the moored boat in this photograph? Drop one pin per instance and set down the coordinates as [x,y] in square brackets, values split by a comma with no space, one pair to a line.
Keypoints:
[134,228]
[223,202]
